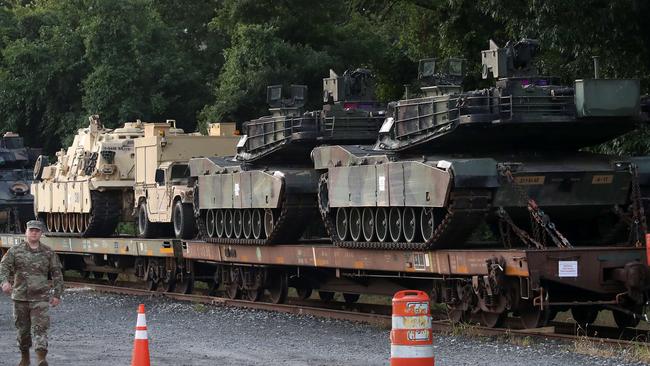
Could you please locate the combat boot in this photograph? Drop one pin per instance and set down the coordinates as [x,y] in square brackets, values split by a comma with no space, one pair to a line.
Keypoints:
[24,358]
[40,354]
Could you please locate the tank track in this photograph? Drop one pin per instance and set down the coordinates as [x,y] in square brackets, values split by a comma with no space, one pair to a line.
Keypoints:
[296,211]
[466,211]
[105,215]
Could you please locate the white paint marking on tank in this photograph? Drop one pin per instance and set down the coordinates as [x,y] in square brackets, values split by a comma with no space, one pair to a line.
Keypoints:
[443,164]
[381,183]
[313,250]
[237,189]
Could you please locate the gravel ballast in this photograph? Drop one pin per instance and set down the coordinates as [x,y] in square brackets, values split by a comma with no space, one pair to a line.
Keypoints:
[91,328]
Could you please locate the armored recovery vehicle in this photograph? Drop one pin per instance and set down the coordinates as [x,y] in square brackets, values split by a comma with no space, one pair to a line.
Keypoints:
[89,189]
[448,161]
[163,199]
[16,162]
[267,192]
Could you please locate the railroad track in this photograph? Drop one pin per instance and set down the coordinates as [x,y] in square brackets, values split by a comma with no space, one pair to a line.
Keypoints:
[378,315]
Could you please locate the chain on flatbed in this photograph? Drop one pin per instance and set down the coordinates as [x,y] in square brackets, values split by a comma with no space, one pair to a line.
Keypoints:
[466,211]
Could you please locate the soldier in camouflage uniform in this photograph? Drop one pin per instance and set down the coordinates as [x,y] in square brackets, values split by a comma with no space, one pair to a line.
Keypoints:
[24,273]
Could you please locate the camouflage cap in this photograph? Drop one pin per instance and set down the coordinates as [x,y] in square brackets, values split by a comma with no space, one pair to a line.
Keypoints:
[35,224]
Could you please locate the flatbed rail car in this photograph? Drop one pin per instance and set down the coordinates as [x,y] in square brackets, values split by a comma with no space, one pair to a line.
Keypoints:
[477,284]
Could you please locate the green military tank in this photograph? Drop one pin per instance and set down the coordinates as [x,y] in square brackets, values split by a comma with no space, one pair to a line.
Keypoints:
[508,155]
[266,193]
[16,200]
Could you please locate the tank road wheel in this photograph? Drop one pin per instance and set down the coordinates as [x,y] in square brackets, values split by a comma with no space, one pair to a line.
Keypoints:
[257,223]
[269,222]
[247,223]
[49,221]
[87,218]
[584,315]
[427,223]
[210,223]
[368,224]
[341,223]
[79,218]
[409,224]
[237,223]
[65,222]
[56,217]
[381,223]
[326,295]
[278,287]
[183,220]
[395,224]
[228,221]
[146,229]
[219,222]
[355,224]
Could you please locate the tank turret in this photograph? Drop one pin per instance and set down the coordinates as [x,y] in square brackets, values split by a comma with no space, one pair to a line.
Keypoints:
[16,162]
[89,188]
[523,111]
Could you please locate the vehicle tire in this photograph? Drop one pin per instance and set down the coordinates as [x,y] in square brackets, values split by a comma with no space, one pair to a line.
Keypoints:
[183,219]
[146,228]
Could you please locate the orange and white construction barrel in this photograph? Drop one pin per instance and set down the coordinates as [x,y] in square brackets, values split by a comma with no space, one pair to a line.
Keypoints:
[411,336]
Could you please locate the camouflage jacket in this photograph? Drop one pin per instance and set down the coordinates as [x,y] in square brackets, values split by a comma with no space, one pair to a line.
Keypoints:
[29,269]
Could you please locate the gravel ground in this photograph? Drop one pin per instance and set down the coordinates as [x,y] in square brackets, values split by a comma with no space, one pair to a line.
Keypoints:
[97,329]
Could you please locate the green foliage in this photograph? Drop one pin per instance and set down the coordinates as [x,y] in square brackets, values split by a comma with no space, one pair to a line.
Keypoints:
[210,60]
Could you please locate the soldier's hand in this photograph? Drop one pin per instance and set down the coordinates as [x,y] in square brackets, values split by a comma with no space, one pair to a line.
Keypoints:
[55,301]
[6,287]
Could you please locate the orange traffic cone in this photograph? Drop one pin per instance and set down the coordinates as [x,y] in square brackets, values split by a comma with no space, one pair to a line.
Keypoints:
[140,355]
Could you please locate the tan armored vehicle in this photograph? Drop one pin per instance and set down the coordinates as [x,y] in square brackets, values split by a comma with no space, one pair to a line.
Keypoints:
[163,199]
[90,187]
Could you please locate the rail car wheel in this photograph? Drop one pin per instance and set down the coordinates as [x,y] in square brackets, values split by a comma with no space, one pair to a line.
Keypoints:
[381,224]
[228,220]
[458,314]
[532,316]
[219,222]
[303,292]
[368,224]
[341,223]
[326,295]
[112,278]
[56,217]
[183,220]
[350,298]
[584,315]
[146,228]
[247,223]
[254,294]
[215,283]
[491,320]
[409,224]
[153,277]
[427,223]
[278,287]
[237,223]
[355,224]
[210,223]
[625,320]
[233,288]
[185,283]
[168,281]
[395,224]
[256,222]
[269,222]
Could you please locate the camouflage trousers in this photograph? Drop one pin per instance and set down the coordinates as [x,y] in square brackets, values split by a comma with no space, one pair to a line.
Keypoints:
[32,318]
